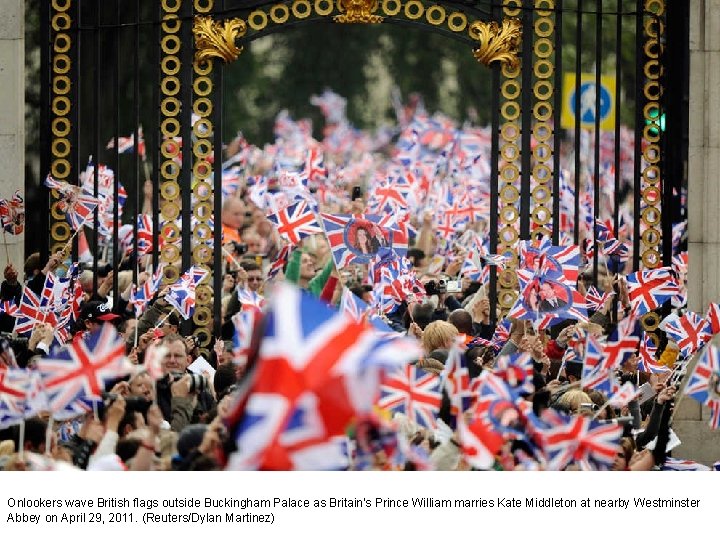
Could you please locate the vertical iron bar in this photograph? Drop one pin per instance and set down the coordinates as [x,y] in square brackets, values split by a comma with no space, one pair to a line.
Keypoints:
[494,167]
[527,119]
[557,130]
[639,118]
[674,81]
[156,141]
[186,99]
[577,143]
[116,255]
[43,240]
[218,257]
[76,100]
[598,133]
[96,142]
[618,97]
[138,189]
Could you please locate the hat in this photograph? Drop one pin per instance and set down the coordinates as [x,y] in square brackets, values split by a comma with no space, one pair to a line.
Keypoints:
[190,438]
[97,312]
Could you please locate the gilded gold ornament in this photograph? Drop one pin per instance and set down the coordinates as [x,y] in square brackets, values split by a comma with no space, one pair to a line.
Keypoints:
[497,43]
[214,39]
[357,11]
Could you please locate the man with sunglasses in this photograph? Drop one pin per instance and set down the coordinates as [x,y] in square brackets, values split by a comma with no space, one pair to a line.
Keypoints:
[254,276]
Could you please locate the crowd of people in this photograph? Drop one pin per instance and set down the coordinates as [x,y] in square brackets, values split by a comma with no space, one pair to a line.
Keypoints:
[541,387]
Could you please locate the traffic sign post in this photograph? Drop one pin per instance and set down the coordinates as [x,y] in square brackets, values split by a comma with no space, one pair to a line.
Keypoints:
[586,103]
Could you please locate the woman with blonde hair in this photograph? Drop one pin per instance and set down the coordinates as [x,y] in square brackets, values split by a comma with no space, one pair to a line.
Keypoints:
[438,335]
[576,400]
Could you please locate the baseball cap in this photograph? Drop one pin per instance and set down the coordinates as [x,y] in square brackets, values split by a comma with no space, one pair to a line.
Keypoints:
[97,311]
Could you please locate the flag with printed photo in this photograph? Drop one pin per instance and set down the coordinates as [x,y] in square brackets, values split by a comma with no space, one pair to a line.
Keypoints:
[12,214]
[76,203]
[355,239]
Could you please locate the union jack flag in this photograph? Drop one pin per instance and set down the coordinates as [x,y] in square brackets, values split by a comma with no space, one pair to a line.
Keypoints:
[145,234]
[624,395]
[139,299]
[181,295]
[578,438]
[21,396]
[596,300]
[501,334]
[646,357]
[648,289]
[495,260]
[250,299]
[414,392]
[689,332]
[478,442]
[315,169]
[296,222]
[704,383]
[8,307]
[279,263]
[610,245]
[677,464]
[126,145]
[34,309]
[680,263]
[353,306]
[456,377]
[316,370]
[81,369]
[597,370]
[713,319]
[244,323]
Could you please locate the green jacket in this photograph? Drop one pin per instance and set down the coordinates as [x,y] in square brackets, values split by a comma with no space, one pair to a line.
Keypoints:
[316,284]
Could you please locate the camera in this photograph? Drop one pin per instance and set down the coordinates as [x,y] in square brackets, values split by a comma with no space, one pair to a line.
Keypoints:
[454,286]
[198,383]
[132,403]
[240,248]
[17,343]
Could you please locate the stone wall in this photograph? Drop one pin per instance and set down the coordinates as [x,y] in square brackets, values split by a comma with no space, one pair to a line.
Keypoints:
[691,420]
[12,116]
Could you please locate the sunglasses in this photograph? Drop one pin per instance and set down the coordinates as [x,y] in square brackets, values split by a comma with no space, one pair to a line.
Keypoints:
[253,278]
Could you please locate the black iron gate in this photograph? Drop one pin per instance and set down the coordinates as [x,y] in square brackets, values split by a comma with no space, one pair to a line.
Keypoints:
[149,75]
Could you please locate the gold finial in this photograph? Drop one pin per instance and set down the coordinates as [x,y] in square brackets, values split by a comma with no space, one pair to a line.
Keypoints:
[217,39]
[497,43]
[357,11]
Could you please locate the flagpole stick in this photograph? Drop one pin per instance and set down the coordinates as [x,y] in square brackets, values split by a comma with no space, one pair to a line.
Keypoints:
[95,410]
[48,435]
[160,323]
[601,409]
[7,251]
[21,442]
[234,260]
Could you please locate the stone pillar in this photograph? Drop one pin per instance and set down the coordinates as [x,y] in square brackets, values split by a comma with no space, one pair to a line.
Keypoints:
[700,443]
[12,117]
